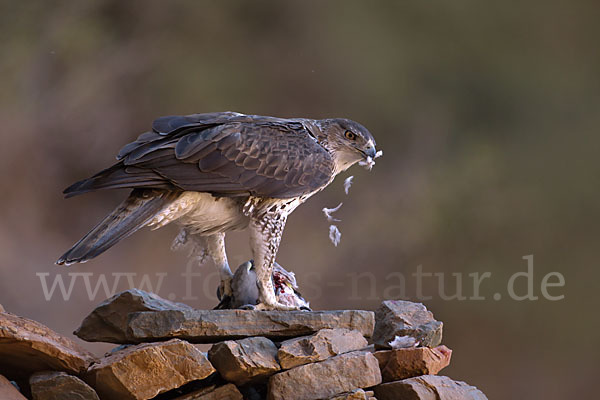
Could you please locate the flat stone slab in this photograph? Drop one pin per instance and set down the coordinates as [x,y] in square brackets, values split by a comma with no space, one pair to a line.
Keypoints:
[135,316]
[108,321]
[26,346]
[211,326]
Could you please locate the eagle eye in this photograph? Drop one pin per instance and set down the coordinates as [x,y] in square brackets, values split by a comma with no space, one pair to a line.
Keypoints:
[350,135]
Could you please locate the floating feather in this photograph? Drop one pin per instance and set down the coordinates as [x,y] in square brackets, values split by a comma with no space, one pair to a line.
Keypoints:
[329,211]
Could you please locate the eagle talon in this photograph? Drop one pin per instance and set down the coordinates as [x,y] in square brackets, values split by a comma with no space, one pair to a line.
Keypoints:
[247,307]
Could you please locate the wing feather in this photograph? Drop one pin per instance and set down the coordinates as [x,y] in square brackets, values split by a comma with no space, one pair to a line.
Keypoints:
[223,153]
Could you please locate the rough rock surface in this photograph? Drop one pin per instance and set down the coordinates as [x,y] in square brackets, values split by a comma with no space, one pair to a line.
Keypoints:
[27,346]
[428,387]
[210,326]
[51,385]
[245,360]
[318,347]
[146,370]
[405,363]
[357,394]
[323,380]
[225,392]
[404,318]
[8,391]
[108,321]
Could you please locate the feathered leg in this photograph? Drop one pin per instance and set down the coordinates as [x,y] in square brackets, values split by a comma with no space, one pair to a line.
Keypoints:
[216,248]
[265,236]
[203,246]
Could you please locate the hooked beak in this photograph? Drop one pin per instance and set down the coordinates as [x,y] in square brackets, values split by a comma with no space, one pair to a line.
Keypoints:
[370,151]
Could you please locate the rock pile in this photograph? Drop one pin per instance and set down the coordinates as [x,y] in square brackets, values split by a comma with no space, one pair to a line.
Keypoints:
[394,353]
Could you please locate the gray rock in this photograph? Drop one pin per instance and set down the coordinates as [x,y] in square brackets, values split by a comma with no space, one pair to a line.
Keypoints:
[27,346]
[225,392]
[325,379]
[52,385]
[8,391]
[246,360]
[210,326]
[322,345]
[108,321]
[428,387]
[146,370]
[404,318]
[135,316]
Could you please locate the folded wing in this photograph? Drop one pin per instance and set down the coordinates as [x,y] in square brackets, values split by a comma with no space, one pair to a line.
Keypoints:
[226,154]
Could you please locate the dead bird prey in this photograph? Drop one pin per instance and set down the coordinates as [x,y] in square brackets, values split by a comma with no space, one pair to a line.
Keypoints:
[217,172]
[244,288]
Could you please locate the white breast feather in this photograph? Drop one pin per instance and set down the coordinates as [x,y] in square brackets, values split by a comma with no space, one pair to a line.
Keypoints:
[201,211]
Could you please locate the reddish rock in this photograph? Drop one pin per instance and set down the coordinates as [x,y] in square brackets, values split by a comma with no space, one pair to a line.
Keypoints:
[428,387]
[245,360]
[226,392]
[382,357]
[405,363]
[324,344]
[326,379]
[27,346]
[52,385]
[8,391]
[146,370]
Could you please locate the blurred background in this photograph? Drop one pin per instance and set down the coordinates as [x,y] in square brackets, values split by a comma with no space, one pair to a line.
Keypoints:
[487,114]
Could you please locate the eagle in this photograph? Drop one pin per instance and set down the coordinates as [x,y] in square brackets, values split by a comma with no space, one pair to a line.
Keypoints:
[218,172]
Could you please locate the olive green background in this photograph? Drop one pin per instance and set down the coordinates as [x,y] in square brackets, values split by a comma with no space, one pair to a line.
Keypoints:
[487,113]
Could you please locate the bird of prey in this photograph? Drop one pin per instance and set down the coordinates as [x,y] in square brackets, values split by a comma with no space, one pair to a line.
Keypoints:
[217,172]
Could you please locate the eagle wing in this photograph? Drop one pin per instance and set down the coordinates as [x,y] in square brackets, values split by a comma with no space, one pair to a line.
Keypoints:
[227,154]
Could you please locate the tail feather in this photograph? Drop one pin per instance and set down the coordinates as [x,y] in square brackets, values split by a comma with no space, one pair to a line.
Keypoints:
[134,213]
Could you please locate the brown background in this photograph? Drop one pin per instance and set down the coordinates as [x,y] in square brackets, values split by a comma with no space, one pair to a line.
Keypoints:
[487,113]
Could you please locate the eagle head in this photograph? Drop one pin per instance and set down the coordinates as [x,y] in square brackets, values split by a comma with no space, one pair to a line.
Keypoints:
[348,141]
